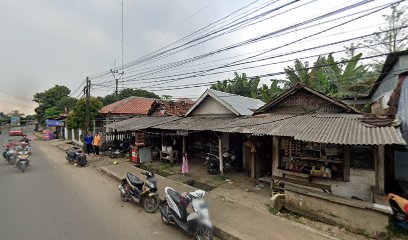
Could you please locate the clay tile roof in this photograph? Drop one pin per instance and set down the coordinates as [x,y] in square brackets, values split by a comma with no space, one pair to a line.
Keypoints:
[130,105]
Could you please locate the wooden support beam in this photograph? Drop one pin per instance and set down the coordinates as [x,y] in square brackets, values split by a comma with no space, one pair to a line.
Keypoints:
[220,156]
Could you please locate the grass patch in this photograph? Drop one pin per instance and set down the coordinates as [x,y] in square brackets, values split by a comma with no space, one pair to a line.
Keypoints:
[160,170]
[396,232]
[220,178]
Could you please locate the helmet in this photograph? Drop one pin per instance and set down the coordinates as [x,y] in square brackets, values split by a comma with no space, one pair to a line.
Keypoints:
[23,144]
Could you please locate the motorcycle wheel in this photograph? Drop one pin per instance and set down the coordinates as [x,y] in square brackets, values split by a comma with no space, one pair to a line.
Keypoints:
[151,204]
[164,219]
[203,233]
[112,154]
[212,168]
[23,167]
[122,196]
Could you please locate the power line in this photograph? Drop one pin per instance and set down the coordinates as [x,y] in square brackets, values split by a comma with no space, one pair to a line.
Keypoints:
[260,38]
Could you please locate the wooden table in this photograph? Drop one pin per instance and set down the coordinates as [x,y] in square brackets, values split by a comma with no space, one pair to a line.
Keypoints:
[171,156]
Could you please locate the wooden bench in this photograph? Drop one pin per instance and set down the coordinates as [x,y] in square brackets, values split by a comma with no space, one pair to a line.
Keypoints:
[275,179]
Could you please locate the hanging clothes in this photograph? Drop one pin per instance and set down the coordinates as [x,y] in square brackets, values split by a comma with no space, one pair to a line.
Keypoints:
[184,167]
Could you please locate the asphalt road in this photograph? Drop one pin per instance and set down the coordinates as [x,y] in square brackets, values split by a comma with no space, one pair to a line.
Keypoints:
[54,200]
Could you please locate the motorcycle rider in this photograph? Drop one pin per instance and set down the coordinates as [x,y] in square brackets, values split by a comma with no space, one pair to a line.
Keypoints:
[23,147]
[26,139]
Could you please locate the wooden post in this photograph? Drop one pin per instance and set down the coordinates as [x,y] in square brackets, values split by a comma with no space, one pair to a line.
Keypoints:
[220,156]
[380,178]
[184,146]
[346,166]
[253,165]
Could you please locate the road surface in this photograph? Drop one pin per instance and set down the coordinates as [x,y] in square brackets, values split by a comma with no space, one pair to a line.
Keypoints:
[55,200]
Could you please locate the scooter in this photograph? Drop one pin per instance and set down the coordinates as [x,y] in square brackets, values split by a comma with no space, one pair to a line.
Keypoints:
[23,161]
[132,188]
[213,162]
[10,156]
[76,155]
[123,149]
[173,210]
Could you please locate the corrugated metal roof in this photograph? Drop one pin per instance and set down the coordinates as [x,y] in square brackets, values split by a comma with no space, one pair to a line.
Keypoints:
[138,123]
[239,105]
[245,106]
[323,128]
[196,123]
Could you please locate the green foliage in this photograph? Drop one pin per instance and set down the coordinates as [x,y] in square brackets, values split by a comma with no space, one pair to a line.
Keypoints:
[51,112]
[15,112]
[125,93]
[48,99]
[243,86]
[76,117]
[332,77]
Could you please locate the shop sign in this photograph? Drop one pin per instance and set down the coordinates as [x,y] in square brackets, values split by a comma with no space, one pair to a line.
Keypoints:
[54,123]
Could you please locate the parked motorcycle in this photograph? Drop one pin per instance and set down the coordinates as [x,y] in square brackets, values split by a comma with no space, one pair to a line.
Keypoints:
[23,160]
[76,155]
[173,210]
[229,161]
[132,188]
[122,150]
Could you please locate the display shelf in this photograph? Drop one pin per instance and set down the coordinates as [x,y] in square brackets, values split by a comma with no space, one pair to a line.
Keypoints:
[320,160]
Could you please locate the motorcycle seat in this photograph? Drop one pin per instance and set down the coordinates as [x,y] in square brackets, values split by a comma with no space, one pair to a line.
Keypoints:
[175,196]
[135,181]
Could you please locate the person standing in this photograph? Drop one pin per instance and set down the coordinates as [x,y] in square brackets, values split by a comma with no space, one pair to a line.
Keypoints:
[88,141]
[96,143]
[184,167]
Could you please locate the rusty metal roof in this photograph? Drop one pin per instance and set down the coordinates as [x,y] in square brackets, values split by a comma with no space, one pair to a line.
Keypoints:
[139,123]
[324,128]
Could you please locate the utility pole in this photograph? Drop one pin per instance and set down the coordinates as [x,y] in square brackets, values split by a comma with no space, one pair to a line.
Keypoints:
[88,103]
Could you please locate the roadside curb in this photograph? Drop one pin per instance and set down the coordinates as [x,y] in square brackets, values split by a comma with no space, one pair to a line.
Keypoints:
[218,232]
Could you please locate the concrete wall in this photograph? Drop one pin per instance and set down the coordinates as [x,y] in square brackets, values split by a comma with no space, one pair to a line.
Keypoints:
[211,107]
[355,216]
[359,185]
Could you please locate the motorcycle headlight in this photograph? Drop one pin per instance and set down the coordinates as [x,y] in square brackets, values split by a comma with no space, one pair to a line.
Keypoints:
[207,158]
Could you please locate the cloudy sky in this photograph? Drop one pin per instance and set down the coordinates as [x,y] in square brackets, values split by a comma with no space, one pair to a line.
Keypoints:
[48,42]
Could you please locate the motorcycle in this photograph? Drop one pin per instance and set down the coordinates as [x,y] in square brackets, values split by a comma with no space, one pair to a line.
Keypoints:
[23,161]
[213,162]
[173,210]
[122,150]
[76,155]
[132,188]
[10,155]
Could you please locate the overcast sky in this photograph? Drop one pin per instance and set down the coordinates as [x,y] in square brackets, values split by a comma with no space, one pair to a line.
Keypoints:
[48,42]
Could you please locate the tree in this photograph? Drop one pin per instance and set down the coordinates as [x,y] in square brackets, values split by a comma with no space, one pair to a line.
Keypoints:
[76,117]
[393,37]
[269,93]
[240,85]
[128,92]
[15,113]
[338,79]
[48,99]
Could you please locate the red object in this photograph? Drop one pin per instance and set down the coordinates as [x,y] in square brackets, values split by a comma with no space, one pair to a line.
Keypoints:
[406,208]
[130,105]
[134,155]
[16,133]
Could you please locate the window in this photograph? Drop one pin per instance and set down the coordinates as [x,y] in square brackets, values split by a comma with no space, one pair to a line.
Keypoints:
[361,157]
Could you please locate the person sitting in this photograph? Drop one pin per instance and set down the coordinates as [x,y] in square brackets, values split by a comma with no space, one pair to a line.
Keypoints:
[402,202]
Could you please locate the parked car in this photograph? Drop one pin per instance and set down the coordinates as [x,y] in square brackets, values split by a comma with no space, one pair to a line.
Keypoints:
[16,133]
